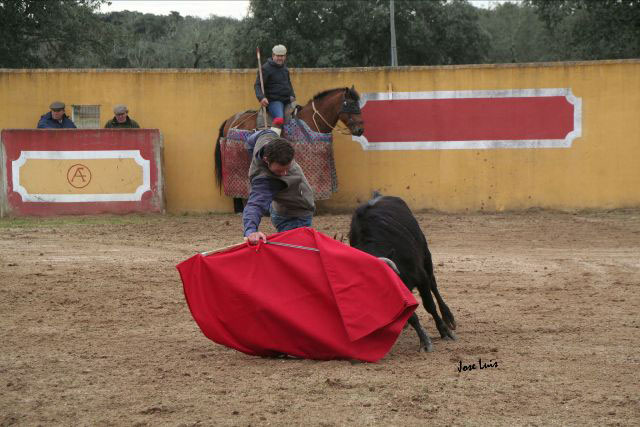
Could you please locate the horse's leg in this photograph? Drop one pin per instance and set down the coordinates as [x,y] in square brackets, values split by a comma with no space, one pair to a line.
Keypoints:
[238,205]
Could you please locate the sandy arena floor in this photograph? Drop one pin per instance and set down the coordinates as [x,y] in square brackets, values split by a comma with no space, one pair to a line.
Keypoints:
[95,329]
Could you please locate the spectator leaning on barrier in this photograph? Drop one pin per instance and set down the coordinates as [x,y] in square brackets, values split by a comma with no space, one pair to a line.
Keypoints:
[121,119]
[278,185]
[56,118]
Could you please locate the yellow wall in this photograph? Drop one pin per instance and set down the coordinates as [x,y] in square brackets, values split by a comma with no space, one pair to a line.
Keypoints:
[600,170]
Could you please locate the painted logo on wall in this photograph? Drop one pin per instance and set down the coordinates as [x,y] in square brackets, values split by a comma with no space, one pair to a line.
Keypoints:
[475,119]
[79,176]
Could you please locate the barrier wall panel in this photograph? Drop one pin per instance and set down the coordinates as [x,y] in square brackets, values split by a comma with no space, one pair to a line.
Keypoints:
[490,137]
[51,172]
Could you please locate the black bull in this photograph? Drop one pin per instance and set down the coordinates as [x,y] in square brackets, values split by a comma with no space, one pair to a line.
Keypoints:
[385,227]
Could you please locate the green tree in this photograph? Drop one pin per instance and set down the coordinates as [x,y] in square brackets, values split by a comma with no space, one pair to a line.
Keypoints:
[357,33]
[517,34]
[587,30]
[50,33]
[133,39]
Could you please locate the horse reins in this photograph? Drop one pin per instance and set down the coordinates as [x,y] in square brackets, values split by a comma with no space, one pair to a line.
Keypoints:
[234,123]
[313,105]
[346,108]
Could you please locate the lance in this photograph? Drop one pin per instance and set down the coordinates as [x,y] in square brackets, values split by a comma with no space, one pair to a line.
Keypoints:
[264,111]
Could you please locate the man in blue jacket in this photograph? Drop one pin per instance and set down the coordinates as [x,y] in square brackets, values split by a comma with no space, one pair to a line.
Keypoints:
[56,118]
[278,185]
[278,91]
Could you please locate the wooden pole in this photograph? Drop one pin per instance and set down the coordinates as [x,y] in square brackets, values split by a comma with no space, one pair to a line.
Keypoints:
[264,110]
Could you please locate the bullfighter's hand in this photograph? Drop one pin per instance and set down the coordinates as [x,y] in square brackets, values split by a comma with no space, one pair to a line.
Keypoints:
[264,102]
[255,237]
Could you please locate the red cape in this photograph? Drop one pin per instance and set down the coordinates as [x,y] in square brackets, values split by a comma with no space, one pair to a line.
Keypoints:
[266,300]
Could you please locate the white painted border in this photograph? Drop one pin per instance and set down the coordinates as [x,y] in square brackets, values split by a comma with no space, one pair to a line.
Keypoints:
[81,155]
[475,145]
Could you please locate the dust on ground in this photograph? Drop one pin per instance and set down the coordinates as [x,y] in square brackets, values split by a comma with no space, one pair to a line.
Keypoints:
[95,329]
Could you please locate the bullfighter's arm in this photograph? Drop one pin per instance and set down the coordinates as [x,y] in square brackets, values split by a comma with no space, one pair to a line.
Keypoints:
[263,190]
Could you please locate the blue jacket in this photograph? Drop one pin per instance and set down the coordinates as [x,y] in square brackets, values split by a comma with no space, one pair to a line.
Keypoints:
[277,84]
[47,122]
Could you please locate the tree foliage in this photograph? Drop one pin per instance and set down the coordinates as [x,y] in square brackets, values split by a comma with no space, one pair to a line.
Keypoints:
[357,33]
[587,30]
[516,34]
[318,33]
[50,33]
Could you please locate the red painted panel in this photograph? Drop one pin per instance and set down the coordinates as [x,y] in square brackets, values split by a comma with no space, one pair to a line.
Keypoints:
[468,119]
[147,141]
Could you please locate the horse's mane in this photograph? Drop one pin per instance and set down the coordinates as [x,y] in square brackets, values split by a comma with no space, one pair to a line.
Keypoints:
[348,91]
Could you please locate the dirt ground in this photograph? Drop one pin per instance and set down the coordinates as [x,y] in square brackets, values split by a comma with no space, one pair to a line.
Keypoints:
[94,329]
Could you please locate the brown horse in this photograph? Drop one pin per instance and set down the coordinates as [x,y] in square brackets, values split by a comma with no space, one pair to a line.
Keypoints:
[321,114]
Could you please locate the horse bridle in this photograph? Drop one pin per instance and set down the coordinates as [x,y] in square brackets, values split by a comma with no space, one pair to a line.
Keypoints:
[349,106]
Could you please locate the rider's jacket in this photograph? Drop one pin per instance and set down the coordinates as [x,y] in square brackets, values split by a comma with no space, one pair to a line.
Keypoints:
[277,83]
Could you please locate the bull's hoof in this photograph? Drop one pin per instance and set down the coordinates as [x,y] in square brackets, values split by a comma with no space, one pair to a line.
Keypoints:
[427,348]
[447,335]
[450,337]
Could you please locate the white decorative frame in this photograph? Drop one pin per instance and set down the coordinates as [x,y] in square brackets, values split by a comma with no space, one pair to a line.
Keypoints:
[81,155]
[475,145]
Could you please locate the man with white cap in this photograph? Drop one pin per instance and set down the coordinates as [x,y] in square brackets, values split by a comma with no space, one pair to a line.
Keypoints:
[121,120]
[278,91]
[56,118]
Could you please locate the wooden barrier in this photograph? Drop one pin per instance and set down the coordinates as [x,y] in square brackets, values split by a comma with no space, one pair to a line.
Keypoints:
[72,171]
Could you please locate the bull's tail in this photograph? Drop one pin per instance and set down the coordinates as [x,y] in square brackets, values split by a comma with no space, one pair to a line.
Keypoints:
[218,157]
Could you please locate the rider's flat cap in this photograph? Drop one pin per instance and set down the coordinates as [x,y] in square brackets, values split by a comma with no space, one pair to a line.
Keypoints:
[57,105]
[279,50]
[120,108]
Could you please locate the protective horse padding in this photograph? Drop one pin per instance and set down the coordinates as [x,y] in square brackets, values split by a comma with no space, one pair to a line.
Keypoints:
[314,153]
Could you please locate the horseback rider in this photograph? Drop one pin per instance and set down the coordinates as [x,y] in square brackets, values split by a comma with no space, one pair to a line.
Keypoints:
[278,90]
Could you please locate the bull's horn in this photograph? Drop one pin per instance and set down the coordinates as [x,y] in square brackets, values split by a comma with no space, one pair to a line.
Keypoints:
[391,264]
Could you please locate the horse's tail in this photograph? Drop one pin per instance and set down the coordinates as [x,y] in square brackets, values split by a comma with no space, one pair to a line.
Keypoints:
[219,157]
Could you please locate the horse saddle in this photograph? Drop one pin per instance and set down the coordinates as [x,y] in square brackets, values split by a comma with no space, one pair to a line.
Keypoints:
[290,111]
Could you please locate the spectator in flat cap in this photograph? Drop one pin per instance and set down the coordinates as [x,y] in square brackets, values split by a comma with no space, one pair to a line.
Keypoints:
[121,120]
[56,118]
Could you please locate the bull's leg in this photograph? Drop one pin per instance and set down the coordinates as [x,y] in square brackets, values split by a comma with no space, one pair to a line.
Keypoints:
[447,316]
[425,341]
[430,306]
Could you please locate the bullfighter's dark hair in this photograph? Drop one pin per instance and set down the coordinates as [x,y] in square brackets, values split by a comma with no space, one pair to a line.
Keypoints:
[279,150]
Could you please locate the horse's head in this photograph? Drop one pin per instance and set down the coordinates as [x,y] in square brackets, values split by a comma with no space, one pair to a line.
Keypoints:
[350,113]
[326,108]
